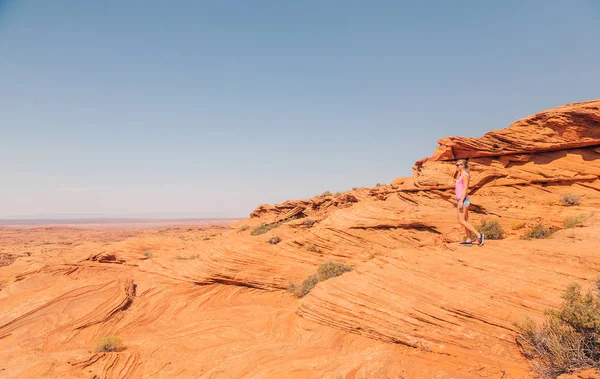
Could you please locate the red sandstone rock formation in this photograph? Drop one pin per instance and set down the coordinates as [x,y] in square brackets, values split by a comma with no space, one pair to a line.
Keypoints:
[568,127]
[212,303]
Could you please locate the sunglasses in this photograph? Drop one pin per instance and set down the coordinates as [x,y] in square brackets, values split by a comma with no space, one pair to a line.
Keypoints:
[459,164]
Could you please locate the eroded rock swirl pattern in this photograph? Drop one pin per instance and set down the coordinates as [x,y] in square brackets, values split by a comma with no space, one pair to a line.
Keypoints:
[212,302]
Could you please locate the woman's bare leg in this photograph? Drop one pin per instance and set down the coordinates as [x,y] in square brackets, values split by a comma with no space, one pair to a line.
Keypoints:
[463,222]
[459,218]
[467,231]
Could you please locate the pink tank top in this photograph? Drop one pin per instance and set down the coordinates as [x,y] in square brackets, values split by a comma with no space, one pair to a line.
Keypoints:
[460,186]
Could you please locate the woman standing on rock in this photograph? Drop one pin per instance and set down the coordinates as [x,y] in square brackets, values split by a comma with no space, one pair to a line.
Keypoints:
[462,189]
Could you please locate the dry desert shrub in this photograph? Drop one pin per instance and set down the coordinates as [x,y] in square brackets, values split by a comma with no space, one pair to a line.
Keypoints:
[263,228]
[312,248]
[569,337]
[244,228]
[274,240]
[326,193]
[148,254]
[518,225]
[337,194]
[570,199]
[331,269]
[108,344]
[307,285]
[537,232]
[491,229]
[325,271]
[181,258]
[573,221]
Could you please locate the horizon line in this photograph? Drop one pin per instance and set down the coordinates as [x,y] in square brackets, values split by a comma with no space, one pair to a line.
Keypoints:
[112,218]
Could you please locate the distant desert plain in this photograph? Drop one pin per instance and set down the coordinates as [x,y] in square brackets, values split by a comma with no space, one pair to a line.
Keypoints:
[113,223]
[251,298]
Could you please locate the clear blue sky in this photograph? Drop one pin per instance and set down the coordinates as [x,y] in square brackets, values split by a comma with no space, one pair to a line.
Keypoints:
[210,108]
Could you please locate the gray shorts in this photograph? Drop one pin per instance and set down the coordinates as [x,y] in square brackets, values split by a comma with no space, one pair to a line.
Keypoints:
[466,203]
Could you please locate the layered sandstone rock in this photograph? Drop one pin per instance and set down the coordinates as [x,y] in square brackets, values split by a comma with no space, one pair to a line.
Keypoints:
[212,303]
[568,127]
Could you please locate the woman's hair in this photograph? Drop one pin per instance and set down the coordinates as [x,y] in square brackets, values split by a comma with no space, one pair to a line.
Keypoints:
[465,163]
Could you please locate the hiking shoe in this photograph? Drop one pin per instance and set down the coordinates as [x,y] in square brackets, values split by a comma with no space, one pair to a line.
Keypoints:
[466,243]
[480,240]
